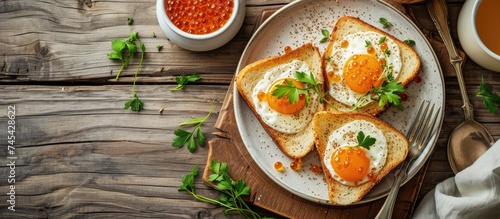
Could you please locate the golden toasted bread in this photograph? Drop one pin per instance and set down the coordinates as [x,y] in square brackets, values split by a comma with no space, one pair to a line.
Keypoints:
[325,123]
[350,25]
[295,144]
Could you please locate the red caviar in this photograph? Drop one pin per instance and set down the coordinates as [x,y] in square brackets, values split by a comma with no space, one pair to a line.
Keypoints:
[199,16]
[296,164]
[279,166]
[316,168]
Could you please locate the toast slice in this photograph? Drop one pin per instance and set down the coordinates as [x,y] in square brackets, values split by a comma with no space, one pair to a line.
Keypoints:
[325,123]
[350,25]
[295,144]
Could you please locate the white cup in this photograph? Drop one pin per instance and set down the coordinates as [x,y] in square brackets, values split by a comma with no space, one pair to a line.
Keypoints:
[470,40]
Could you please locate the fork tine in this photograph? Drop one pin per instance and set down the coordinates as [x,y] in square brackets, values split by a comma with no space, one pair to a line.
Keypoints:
[430,126]
[417,122]
[426,124]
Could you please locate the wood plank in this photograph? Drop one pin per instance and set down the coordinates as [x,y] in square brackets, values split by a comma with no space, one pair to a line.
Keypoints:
[81,155]
[60,39]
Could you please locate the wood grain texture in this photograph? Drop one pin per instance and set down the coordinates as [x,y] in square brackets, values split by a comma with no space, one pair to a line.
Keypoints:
[80,155]
[67,41]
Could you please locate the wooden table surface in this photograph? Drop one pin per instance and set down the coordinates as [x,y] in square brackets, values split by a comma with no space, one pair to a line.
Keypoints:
[78,153]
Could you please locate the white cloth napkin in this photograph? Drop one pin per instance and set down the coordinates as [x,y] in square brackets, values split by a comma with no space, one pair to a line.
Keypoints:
[472,193]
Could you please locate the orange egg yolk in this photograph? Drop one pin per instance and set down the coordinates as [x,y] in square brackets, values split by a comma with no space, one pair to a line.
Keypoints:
[362,73]
[351,163]
[282,105]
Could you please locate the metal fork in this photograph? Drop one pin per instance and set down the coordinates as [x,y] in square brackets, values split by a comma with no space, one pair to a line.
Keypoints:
[418,137]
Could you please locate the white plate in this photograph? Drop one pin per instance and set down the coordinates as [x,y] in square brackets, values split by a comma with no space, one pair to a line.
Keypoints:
[301,22]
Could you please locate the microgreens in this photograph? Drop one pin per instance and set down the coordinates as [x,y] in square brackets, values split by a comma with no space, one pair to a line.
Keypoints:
[409,42]
[232,191]
[490,98]
[384,22]
[130,21]
[120,49]
[153,34]
[365,141]
[292,92]
[326,36]
[183,80]
[368,43]
[184,137]
[159,47]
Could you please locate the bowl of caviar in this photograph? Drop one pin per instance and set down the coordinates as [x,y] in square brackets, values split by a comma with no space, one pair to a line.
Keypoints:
[200,25]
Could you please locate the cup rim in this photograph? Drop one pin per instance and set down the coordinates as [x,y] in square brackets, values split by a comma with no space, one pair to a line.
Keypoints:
[200,36]
[476,35]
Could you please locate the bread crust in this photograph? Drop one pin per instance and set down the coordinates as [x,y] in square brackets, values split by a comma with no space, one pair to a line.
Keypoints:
[295,145]
[326,122]
[348,25]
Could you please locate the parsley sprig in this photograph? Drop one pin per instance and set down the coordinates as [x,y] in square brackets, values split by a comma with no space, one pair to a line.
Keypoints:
[365,141]
[389,92]
[182,80]
[293,92]
[124,50]
[490,98]
[232,191]
[184,137]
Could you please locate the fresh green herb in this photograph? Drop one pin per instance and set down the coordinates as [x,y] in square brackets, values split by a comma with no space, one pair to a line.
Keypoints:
[292,92]
[130,21]
[389,92]
[365,141]
[387,52]
[384,22]
[382,40]
[326,36]
[183,80]
[153,34]
[159,47]
[409,42]
[232,191]
[184,137]
[134,104]
[124,50]
[120,49]
[368,43]
[328,58]
[490,98]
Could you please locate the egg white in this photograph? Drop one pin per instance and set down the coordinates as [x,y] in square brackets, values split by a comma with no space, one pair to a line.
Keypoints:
[346,136]
[357,45]
[285,123]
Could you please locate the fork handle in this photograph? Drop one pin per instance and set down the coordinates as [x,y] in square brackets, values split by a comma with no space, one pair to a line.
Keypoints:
[388,207]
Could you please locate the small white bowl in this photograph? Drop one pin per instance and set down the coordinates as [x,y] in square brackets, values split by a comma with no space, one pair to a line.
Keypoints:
[201,42]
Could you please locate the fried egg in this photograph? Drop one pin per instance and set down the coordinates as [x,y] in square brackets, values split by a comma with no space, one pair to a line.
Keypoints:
[360,62]
[278,113]
[354,165]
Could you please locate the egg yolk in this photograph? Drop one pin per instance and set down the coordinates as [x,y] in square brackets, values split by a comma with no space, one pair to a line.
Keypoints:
[282,105]
[351,163]
[362,73]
